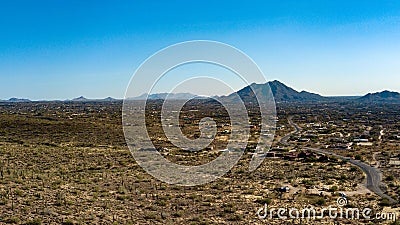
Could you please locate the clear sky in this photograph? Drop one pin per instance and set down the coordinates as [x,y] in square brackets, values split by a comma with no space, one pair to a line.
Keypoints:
[59,49]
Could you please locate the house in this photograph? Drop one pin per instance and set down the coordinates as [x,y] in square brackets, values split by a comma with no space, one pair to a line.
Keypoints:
[394,162]
[360,140]
[341,146]
[303,139]
[279,149]
[323,158]
[270,155]
[283,189]
[305,155]
[291,156]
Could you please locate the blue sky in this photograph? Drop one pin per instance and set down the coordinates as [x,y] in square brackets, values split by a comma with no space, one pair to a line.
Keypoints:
[63,49]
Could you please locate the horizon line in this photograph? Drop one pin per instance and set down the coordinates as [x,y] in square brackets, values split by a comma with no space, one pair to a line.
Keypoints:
[117,98]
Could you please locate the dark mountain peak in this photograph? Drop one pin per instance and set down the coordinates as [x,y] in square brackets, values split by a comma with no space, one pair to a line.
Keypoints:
[283,93]
[381,96]
[18,100]
[81,98]
[277,82]
[388,94]
[277,86]
[109,99]
[254,84]
[280,91]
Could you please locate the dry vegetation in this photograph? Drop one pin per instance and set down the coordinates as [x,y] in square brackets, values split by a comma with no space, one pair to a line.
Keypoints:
[68,164]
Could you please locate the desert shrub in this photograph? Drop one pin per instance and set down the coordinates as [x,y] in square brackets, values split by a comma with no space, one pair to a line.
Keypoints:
[34,222]
[264,201]
[320,201]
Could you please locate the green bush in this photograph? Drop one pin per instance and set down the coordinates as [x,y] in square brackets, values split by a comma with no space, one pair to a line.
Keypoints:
[264,201]
[321,201]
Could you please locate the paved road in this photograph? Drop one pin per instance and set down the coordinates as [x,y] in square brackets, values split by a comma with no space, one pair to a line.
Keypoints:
[374,176]
[285,139]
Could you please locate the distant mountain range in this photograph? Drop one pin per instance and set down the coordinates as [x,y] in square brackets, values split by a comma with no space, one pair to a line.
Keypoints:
[79,99]
[280,91]
[283,93]
[83,99]
[16,100]
[177,96]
